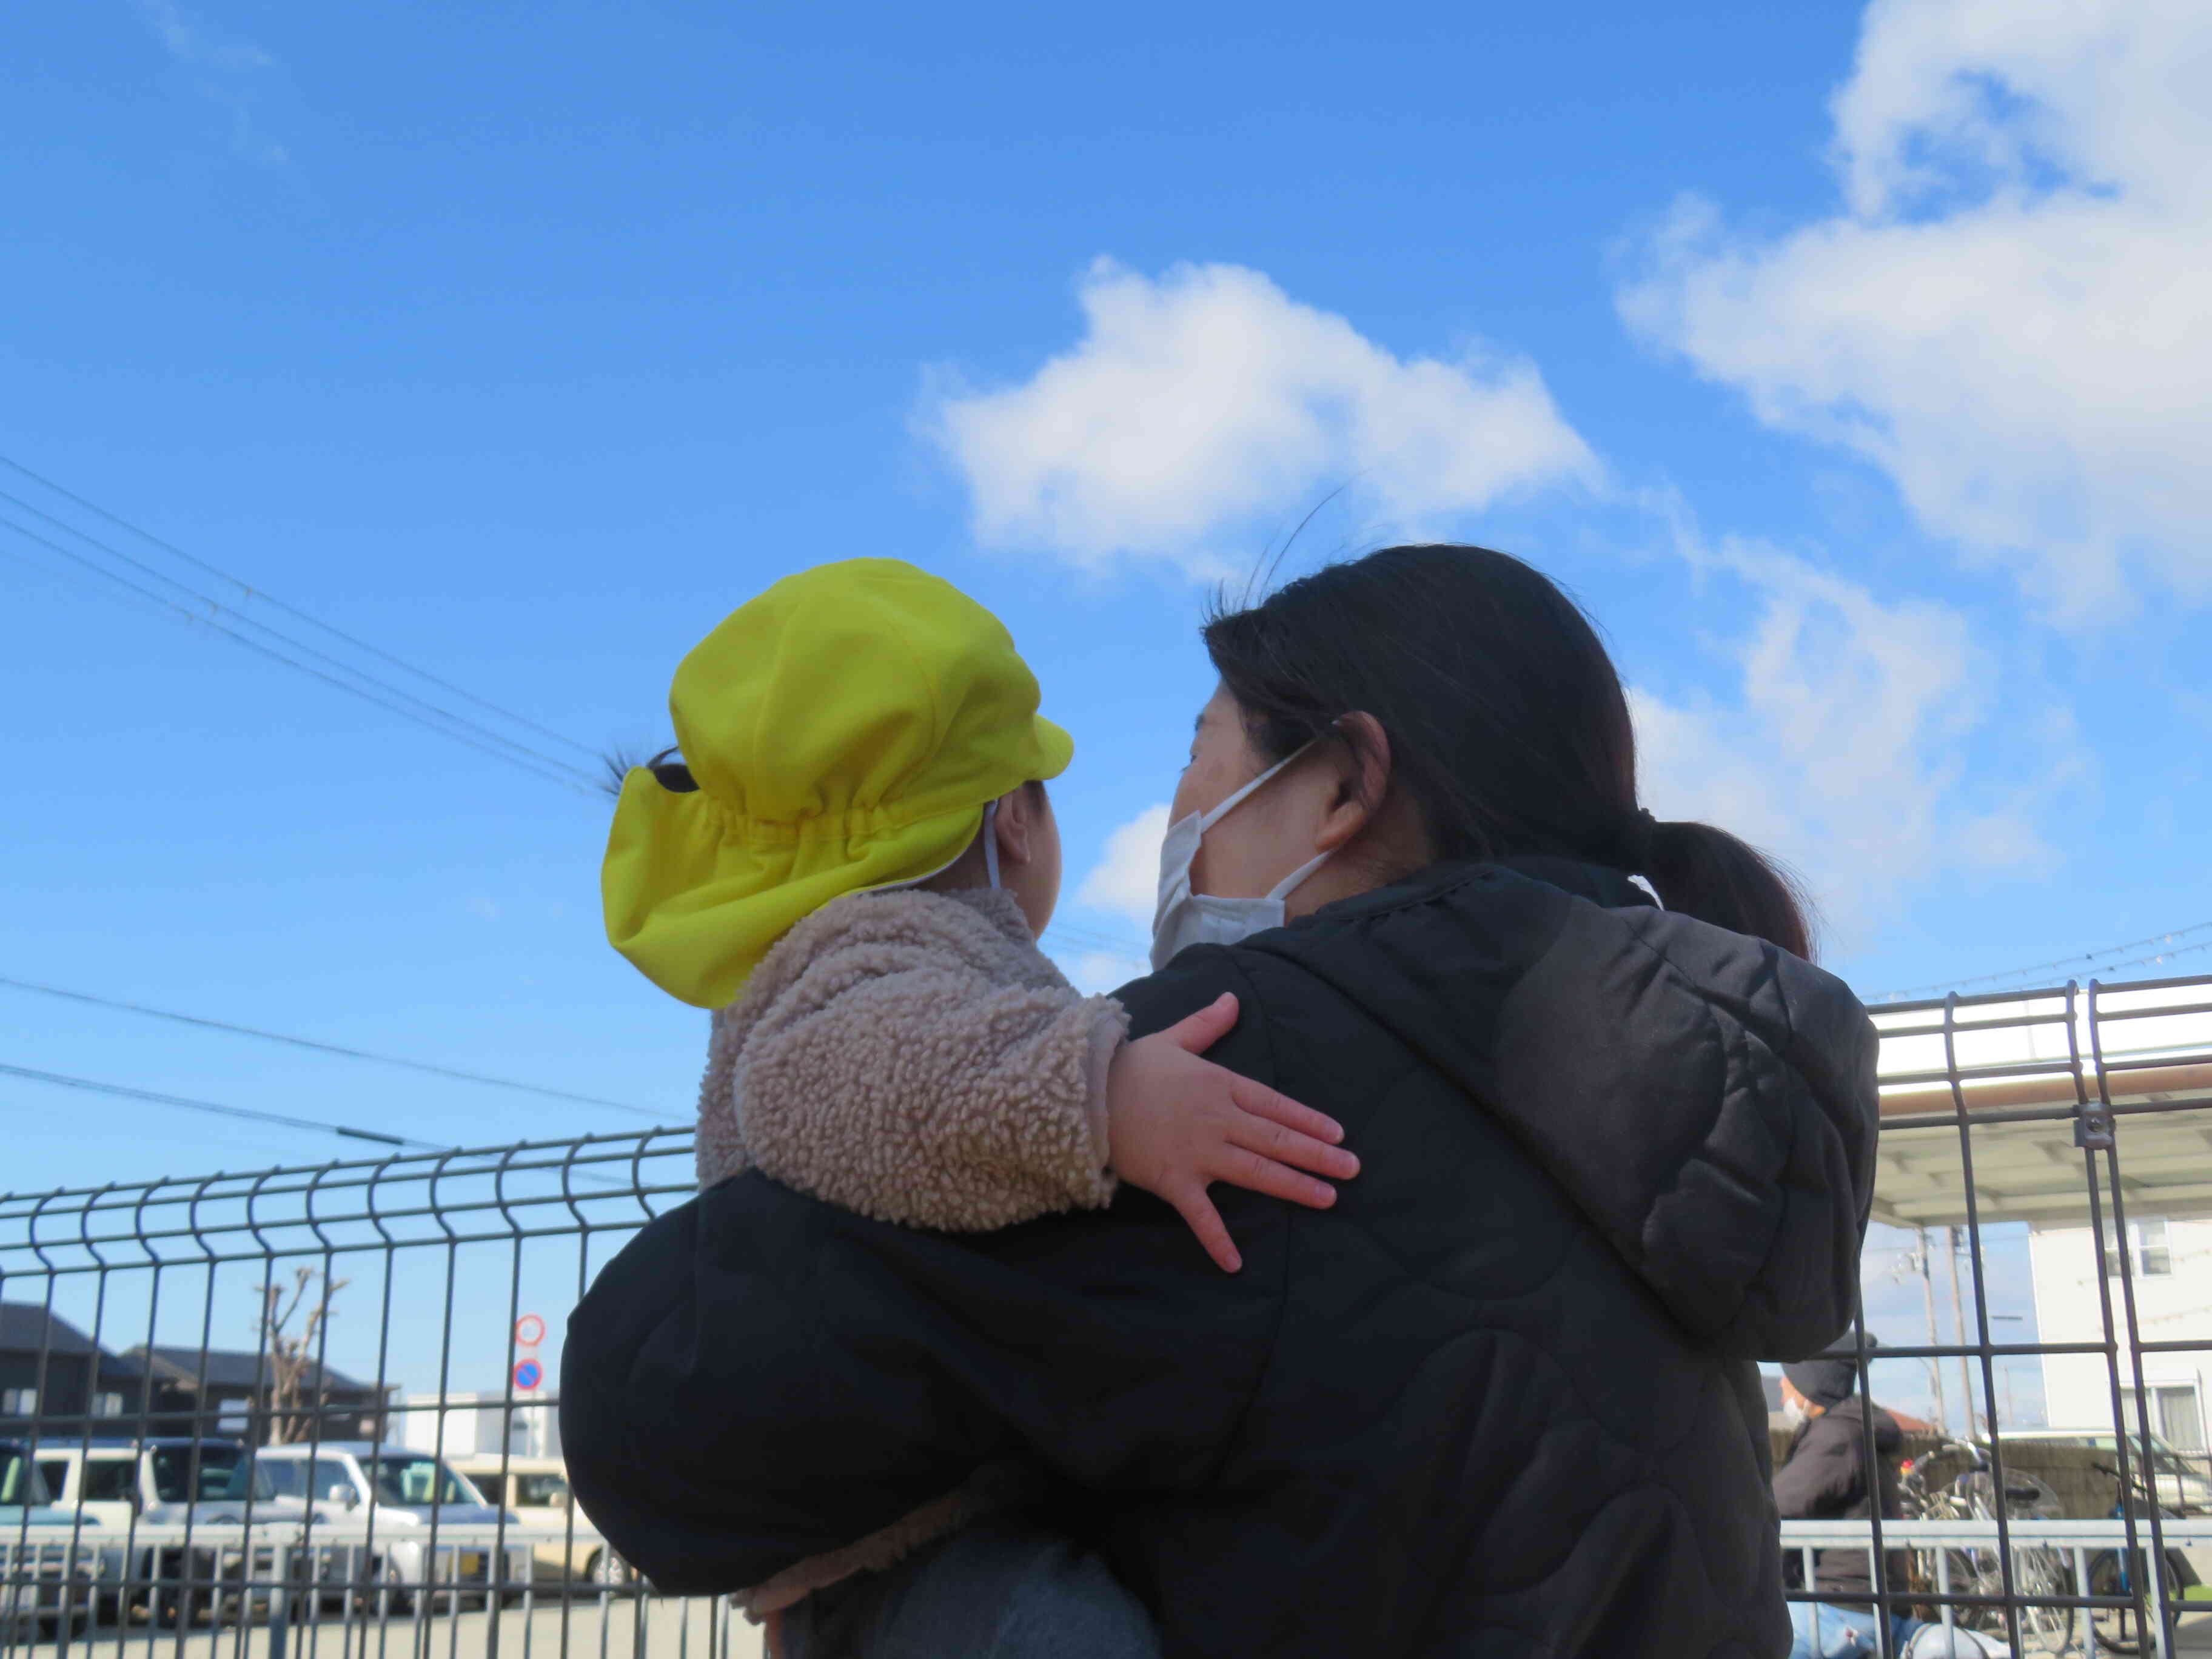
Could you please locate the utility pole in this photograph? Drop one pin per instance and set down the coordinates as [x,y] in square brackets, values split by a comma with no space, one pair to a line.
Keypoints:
[1927,1272]
[2005,1369]
[1959,1317]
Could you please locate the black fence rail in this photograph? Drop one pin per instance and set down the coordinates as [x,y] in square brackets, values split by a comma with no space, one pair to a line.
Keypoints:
[315,1406]
[308,1406]
[2053,1149]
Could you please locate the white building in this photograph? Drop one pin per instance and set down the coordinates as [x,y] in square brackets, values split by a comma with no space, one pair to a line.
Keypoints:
[2015,1071]
[2171,1264]
[477,1423]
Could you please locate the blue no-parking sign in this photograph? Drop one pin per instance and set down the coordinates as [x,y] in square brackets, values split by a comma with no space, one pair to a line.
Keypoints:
[528,1374]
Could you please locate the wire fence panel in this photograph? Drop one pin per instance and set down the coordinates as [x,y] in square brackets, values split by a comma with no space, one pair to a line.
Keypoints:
[2044,1190]
[310,1412]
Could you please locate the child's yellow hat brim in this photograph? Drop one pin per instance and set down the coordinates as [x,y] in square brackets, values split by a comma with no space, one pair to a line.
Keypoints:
[846,730]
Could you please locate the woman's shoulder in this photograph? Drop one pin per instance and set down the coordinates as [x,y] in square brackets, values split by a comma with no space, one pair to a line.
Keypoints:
[1186,985]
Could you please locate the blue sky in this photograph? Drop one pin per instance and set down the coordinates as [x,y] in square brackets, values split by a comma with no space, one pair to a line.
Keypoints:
[1843,359]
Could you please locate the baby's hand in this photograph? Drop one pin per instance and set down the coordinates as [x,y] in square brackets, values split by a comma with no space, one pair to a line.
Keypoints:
[1177,1123]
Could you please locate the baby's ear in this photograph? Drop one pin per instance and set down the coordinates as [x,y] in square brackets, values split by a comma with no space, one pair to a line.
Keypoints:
[1015,824]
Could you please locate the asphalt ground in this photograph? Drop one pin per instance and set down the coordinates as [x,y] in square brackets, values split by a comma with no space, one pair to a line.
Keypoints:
[650,1627]
[620,1628]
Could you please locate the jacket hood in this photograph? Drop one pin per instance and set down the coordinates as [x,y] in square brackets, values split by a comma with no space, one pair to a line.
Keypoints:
[1707,1100]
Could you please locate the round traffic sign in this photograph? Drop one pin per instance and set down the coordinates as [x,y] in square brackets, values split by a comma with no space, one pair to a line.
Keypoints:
[528,1374]
[529,1331]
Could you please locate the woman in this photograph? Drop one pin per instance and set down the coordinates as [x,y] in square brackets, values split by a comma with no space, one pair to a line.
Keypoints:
[1500,1396]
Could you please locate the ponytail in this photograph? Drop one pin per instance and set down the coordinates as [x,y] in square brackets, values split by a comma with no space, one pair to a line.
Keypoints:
[1708,873]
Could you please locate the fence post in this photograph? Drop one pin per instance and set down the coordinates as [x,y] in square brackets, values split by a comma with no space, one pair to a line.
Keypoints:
[280,1598]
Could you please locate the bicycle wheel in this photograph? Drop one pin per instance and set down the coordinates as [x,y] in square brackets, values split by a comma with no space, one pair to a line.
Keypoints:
[1952,1570]
[2125,1629]
[2037,1577]
[2040,1574]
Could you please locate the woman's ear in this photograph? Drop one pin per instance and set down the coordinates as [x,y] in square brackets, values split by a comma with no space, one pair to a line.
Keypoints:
[1362,764]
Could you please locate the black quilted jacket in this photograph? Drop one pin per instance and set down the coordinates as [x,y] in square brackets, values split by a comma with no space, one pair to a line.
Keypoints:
[1499,1401]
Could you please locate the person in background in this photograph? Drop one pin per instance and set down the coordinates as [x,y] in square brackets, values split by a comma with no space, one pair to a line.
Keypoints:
[1823,1476]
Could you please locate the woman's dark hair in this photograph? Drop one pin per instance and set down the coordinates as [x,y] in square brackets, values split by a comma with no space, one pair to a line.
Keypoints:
[1508,728]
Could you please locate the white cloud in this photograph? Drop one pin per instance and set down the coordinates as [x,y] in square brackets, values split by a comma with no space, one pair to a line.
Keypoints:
[1126,880]
[1208,399]
[2006,312]
[1844,745]
[226,72]
[1095,972]
[188,41]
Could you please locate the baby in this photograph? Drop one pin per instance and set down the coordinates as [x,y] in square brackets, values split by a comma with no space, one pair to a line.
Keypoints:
[850,864]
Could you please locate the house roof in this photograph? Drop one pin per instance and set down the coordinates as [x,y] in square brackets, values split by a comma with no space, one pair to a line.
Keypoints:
[26,1327]
[236,1368]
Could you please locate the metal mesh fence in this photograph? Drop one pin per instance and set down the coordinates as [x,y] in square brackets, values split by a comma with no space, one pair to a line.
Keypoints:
[309,1411]
[2063,1138]
[312,1408]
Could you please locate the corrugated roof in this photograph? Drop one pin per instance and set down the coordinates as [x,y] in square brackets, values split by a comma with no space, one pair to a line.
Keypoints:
[2018,1067]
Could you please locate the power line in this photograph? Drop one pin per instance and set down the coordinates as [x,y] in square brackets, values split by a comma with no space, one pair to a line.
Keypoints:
[567,777]
[316,1125]
[2075,964]
[1084,937]
[181,1102]
[216,606]
[536,764]
[208,611]
[1095,943]
[1085,933]
[270,598]
[326,1047]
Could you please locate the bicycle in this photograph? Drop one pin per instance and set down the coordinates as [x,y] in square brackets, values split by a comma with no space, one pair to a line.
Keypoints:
[2040,1578]
[2126,1630]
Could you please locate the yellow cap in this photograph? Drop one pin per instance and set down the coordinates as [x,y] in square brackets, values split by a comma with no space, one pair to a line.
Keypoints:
[847,729]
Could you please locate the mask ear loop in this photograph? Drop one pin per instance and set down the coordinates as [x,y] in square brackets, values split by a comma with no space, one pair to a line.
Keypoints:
[991,844]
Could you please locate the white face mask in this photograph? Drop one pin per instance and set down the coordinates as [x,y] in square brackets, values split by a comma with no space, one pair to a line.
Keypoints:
[1794,1412]
[1184,918]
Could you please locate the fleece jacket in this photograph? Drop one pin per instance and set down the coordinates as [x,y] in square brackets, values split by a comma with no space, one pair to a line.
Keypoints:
[912,1056]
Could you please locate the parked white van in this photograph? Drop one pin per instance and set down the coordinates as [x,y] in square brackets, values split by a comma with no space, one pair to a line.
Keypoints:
[157,1481]
[126,1487]
[400,1493]
[49,1559]
[535,1491]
